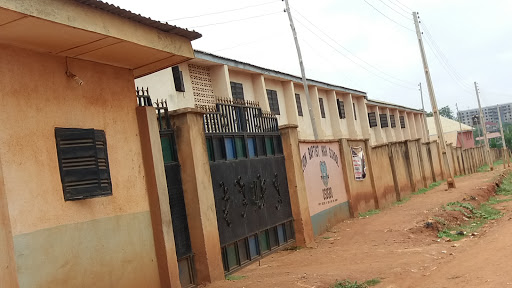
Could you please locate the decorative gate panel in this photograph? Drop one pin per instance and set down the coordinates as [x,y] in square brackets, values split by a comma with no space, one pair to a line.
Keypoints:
[249,181]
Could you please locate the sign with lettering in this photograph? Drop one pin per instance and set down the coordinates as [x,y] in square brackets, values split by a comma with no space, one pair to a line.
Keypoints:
[321,165]
[358,162]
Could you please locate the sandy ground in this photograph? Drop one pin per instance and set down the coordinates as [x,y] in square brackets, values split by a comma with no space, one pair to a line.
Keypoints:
[392,246]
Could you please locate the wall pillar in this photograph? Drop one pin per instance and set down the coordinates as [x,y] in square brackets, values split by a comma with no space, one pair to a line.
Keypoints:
[290,103]
[332,105]
[304,235]
[220,81]
[349,116]
[198,194]
[260,91]
[158,198]
[315,106]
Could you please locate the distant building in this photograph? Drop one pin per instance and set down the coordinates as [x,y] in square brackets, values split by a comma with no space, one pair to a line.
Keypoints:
[452,132]
[490,115]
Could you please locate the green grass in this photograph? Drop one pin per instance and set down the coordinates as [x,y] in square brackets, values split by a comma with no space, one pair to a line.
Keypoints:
[369,213]
[480,216]
[235,277]
[402,201]
[505,187]
[485,167]
[495,200]
[430,187]
[350,284]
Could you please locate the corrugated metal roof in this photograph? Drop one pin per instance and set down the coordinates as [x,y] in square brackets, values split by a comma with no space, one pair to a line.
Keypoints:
[165,27]
[391,105]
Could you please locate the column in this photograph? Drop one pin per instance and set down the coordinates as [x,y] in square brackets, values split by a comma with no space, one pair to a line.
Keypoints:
[296,186]
[313,93]
[289,101]
[334,116]
[260,91]
[158,197]
[198,194]
[220,81]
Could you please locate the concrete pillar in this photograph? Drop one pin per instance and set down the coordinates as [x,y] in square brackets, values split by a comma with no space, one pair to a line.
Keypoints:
[260,91]
[350,118]
[380,137]
[313,93]
[399,134]
[406,132]
[198,194]
[220,81]
[304,235]
[334,116]
[362,116]
[158,197]
[289,101]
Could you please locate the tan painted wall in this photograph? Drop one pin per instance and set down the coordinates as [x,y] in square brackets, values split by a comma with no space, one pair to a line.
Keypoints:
[305,128]
[44,98]
[276,85]
[246,80]
[385,187]
[415,164]
[325,122]
[399,156]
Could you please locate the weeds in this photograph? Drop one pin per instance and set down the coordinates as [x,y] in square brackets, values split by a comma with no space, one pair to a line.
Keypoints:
[402,201]
[430,187]
[485,167]
[350,284]
[369,213]
[235,277]
[505,188]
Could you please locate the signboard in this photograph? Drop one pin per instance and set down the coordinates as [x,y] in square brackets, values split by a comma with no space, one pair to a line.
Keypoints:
[359,163]
[321,165]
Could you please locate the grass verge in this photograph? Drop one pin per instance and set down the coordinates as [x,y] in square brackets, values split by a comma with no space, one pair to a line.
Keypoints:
[430,187]
[485,167]
[350,284]
[402,201]
[369,213]
[235,277]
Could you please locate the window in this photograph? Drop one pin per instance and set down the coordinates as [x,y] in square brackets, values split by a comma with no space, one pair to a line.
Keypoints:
[341,109]
[273,103]
[322,110]
[354,107]
[299,104]
[372,119]
[402,122]
[383,120]
[392,120]
[83,163]
[237,91]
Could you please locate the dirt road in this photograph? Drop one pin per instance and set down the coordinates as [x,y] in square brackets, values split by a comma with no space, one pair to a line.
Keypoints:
[394,247]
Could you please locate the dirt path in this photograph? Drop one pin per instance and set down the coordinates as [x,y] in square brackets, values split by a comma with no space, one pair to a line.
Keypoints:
[392,246]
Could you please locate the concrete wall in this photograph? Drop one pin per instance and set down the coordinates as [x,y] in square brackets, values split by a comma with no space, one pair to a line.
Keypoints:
[426,163]
[385,188]
[436,160]
[101,242]
[400,157]
[415,164]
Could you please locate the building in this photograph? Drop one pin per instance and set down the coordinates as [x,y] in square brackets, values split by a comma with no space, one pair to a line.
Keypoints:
[490,115]
[339,112]
[453,134]
[74,192]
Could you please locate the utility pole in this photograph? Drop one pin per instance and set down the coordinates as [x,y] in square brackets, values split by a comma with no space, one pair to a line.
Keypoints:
[505,152]
[302,71]
[442,144]
[484,130]
[424,114]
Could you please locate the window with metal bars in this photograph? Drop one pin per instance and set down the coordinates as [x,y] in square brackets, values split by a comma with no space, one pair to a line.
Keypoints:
[322,109]
[383,120]
[237,90]
[372,119]
[402,122]
[392,120]
[354,107]
[299,104]
[83,163]
[273,102]
[341,109]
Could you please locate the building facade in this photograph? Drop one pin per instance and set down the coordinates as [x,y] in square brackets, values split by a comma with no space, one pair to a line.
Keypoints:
[490,115]
[339,112]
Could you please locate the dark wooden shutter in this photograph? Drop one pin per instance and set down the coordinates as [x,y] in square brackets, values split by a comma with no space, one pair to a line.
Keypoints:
[299,104]
[372,119]
[83,163]
[341,109]
[237,90]
[392,120]
[273,102]
[322,109]
[383,120]
[402,122]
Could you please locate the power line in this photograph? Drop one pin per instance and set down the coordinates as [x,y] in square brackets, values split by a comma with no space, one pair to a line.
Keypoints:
[220,12]
[347,50]
[398,12]
[236,20]
[341,53]
[390,19]
[400,7]
[403,5]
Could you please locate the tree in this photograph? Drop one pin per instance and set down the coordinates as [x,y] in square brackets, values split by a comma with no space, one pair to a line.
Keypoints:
[445,112]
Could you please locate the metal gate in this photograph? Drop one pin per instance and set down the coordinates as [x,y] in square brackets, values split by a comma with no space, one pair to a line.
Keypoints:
[249,181]
[174,189]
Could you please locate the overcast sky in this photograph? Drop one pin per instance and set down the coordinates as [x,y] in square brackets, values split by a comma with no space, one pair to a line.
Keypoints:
[473,36]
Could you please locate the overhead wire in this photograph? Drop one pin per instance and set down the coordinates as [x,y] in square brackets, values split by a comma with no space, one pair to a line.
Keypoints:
[236,20]
[398,12]
[221,12]
[389,18]
[350,59]
[401,8]
[403,5]
[347,50]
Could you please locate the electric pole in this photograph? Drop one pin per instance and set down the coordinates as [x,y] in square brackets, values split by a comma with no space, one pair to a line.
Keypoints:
[484,130]
[442,144]
[302,71]
[505,152]
[424,114]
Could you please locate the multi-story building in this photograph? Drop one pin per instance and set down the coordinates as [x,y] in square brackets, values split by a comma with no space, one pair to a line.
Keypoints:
[490,115]
[339,112]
